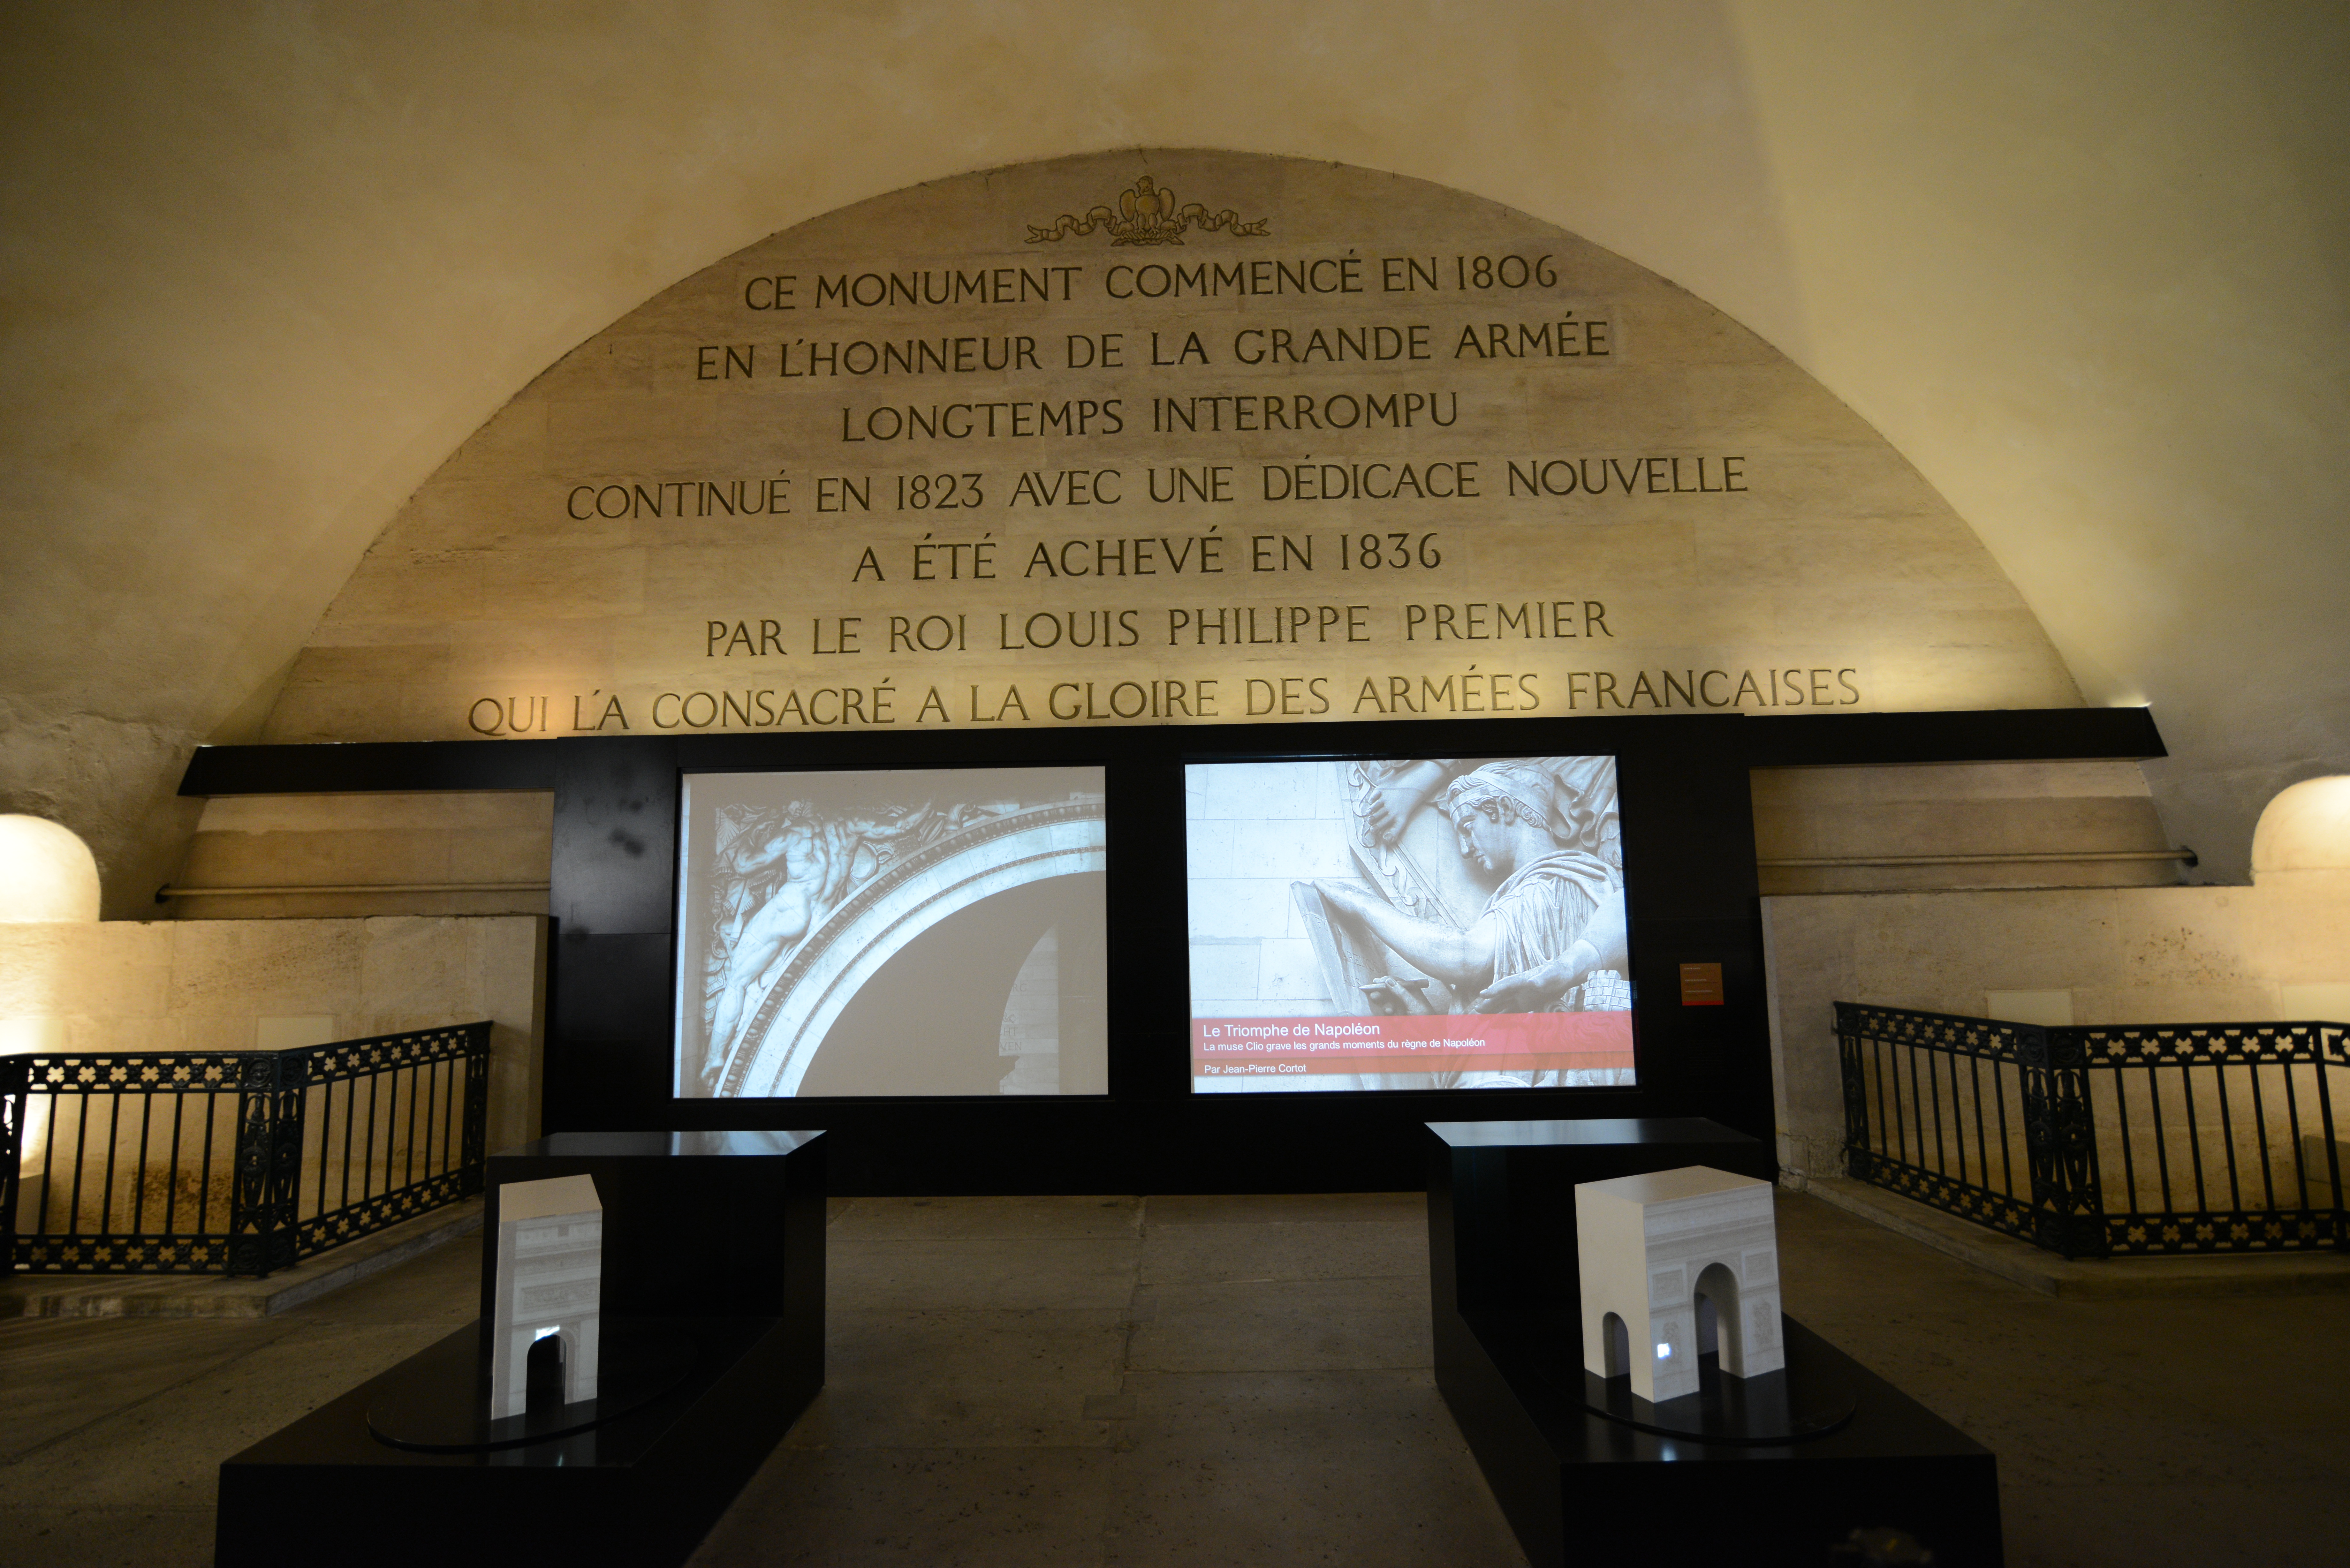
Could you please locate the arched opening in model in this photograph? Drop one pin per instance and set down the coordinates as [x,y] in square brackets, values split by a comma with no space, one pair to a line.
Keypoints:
[545,1373]
[1716,1318]
[1618,1348]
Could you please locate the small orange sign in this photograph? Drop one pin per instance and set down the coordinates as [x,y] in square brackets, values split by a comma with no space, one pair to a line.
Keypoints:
[1701,985]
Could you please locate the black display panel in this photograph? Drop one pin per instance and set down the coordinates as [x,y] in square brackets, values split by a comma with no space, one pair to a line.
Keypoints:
[1407,924]
[610,1059]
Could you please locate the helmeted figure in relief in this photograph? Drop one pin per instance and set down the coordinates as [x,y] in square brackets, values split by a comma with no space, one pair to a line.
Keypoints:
[1554,924]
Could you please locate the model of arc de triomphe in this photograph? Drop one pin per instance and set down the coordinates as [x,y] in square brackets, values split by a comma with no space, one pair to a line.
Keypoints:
[550,1283]
[1648,1248]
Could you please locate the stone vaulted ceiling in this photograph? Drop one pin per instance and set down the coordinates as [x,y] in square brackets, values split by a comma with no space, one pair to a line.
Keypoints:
[265,268]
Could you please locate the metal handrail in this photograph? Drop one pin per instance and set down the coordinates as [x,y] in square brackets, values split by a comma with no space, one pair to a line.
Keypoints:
[2135,1140]
[237,1162]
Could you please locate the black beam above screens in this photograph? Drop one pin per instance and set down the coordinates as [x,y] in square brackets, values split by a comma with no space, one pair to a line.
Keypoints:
[1689,854]
[1968,735]
[1783,740]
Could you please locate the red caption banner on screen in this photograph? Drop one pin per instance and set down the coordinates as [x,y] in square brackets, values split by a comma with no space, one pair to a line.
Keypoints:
[1500,1041]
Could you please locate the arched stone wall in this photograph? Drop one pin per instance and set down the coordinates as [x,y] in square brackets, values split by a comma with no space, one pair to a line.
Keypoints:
[272,273]
[1164,436]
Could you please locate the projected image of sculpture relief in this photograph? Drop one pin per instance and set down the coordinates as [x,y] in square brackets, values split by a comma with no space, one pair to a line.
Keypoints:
[1421,924]
[920,931]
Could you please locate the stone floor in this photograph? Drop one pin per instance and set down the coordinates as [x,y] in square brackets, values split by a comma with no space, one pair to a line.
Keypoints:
[1231,1380]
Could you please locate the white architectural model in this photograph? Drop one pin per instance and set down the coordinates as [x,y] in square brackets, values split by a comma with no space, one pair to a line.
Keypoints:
[1669,1260]
[550,1285]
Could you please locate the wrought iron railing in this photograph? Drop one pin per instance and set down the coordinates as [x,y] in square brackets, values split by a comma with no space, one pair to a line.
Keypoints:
[236,1162]
[2094,1142]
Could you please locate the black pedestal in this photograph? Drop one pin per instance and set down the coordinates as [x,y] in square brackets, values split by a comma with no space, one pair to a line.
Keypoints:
[1580,1486]
[714,1260]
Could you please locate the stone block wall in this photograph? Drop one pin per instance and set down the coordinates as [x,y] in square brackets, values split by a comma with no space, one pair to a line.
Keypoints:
[455,852]
[2121,955]
[223,985]
[1919,827]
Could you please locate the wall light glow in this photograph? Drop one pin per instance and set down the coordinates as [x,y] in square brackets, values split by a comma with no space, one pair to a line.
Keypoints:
[47,872]
[2305,829]
[48,877]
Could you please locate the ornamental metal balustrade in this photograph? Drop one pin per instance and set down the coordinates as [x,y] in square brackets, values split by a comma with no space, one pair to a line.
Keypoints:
[2143,1139]
[236,1162]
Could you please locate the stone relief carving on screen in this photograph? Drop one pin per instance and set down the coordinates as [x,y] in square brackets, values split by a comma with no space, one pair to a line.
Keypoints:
[800,888]
[1435,887]
[1548,937]
[780,871]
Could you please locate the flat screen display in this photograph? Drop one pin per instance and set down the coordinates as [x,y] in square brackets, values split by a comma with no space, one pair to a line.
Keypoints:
[902,931]
[1429,923]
